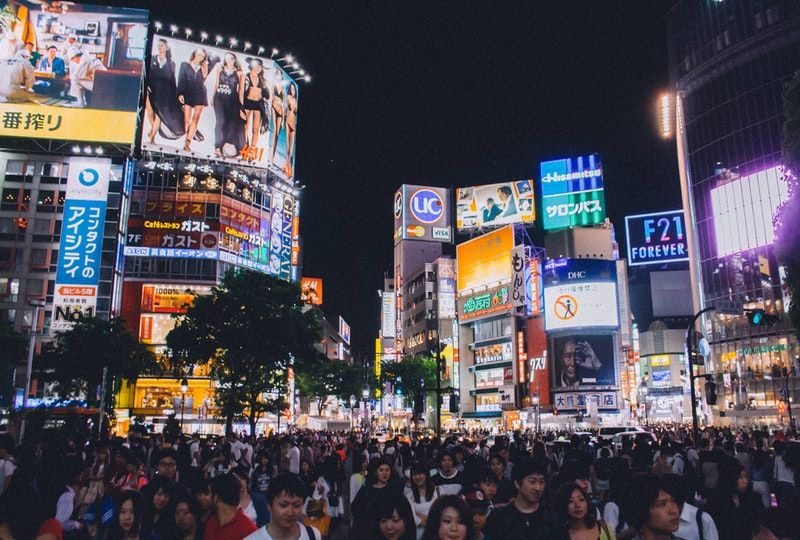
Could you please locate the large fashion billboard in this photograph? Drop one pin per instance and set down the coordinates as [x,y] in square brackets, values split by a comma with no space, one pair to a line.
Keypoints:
[311,290]
[215,103]
[78,271]
[495,205]
[656,238]
[70,71]
[572,192]
[485,260]
[422,213]
[581,360]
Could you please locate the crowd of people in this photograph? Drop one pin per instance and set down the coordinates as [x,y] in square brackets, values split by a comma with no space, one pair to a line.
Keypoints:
[318,485]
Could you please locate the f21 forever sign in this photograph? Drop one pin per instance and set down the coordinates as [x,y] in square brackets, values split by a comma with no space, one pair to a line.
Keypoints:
[656,238]
[81,244]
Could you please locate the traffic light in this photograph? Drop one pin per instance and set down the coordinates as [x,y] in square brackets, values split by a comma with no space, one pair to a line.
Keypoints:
[759,317]
[419,403]
[711,393]
[454,403]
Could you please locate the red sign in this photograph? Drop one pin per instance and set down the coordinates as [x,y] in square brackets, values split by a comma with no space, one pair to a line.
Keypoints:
[539,376]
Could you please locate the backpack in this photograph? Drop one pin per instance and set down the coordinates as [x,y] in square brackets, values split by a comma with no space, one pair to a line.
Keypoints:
[699,520]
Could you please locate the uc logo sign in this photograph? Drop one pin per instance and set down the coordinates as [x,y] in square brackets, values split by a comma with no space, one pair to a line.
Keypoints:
[398,204]
[426,205]
[88,177]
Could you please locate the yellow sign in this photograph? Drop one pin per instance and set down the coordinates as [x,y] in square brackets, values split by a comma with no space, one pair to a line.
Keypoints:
[659,361]
[378,356]
[486,260]
[67,124]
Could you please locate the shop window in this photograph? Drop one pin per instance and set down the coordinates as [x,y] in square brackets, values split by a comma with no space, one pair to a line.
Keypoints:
[19,170]
[46,197]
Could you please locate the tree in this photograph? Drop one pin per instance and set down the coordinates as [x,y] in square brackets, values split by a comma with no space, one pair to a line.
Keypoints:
[323,378]
[14,346]
[412,376]
[787,218]
[251,329]
[76,359]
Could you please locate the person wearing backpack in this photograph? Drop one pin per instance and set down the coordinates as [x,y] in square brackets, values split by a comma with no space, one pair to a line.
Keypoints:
[696,523]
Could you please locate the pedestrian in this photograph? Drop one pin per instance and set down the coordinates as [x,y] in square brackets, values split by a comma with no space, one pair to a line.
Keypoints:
[734,506]
[651,510]
[696,523]
[228,521]
[575,510]
[394,519]
[129,511]
[254,505]
[158,520]
[187,519]
[285,497]
[450,519]
[381,482]
[526,517]
[421,493]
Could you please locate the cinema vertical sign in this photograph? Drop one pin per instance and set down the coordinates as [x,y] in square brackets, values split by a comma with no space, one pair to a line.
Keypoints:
[78,272]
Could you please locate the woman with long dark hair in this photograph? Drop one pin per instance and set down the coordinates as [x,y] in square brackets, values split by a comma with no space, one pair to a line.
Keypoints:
[329,486]
[228,111]
[163,110]
[421,494]
[450,519]
[254,94]
[191,91]
[158,519]
[579,516]
[380,482]
[393,519]
[734,506]
[128,523]
[278,110]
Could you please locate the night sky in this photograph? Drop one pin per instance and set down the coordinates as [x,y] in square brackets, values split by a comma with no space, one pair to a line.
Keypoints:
[451,94]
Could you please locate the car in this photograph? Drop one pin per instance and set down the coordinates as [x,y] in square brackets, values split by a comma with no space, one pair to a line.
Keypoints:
[616,441]
[609,431]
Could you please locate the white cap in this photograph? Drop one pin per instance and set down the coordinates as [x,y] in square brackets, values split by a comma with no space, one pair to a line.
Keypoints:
[74,51]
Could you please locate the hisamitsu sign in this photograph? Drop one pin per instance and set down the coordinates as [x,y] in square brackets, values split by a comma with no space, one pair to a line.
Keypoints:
[656,238]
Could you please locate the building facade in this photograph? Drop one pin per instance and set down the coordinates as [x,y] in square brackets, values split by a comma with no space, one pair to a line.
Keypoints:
[729,62]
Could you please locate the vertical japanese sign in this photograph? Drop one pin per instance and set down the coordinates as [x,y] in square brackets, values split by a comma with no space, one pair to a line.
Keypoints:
[79,252]
[518,264]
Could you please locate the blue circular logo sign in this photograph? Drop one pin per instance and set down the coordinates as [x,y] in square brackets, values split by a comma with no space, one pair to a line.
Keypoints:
[88,177]
[426,205]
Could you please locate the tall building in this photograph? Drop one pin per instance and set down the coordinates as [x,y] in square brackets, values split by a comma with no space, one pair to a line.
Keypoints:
[729,61]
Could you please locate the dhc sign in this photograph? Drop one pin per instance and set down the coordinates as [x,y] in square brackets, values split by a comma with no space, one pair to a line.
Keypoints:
[426,205]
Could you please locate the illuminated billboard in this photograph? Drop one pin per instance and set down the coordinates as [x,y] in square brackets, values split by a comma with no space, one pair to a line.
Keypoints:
[656,238]
[744,208]
[422,213]
[583,360]
[215,103]
[311,290]
[81,78]
[446,290]
[486,260]
[495,205]
[580,293]
[344,330]
[78,271]
[572,192]
[170,298]
[388,314]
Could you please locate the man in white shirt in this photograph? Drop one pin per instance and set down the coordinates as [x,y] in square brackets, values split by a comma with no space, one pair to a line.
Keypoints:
[82,67]
[65,506]
[690,525]
[293,454]
[7,466]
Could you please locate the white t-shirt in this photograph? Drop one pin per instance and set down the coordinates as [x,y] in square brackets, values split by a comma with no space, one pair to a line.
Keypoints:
[7,468]
[294,459]
[262,534]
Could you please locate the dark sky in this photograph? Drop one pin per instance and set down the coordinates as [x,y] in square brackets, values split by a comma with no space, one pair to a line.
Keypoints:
[451,94]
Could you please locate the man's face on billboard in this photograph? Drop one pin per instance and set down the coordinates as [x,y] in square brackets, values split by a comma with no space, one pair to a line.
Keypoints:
[568,360]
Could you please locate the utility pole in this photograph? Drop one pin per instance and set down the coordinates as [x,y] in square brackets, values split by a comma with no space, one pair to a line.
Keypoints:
[37,304]
[690,363]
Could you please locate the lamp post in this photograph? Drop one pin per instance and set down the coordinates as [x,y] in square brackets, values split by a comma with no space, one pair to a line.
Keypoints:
[36,303]
[535,403]
[352,407]
[184,389]
[643,390]
[365,396]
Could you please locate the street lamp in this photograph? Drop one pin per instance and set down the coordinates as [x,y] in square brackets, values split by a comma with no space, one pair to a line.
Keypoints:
[184,389]
[643,390]
[535,403]
[365,396]
[36,304]
[352,406]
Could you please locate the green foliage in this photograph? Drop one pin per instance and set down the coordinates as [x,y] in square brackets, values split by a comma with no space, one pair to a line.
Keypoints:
[14,347]
[251,329]
[76,359]
[413,375]
[322,378]
[787,219]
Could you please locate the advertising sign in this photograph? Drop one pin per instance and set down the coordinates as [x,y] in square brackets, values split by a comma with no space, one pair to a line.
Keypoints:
[485,260]
[566,401]
[78,272]
[344,330]
[221,86]
[572,192]
[583,360]
[661,378]
[422,213]
[81,80]
[388,314]
[580,293]
[311,290]
[656,238]
[446,293]
[170,298]
[484,304]
[499,352]
[538,365]
[495,205]
[744,209]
